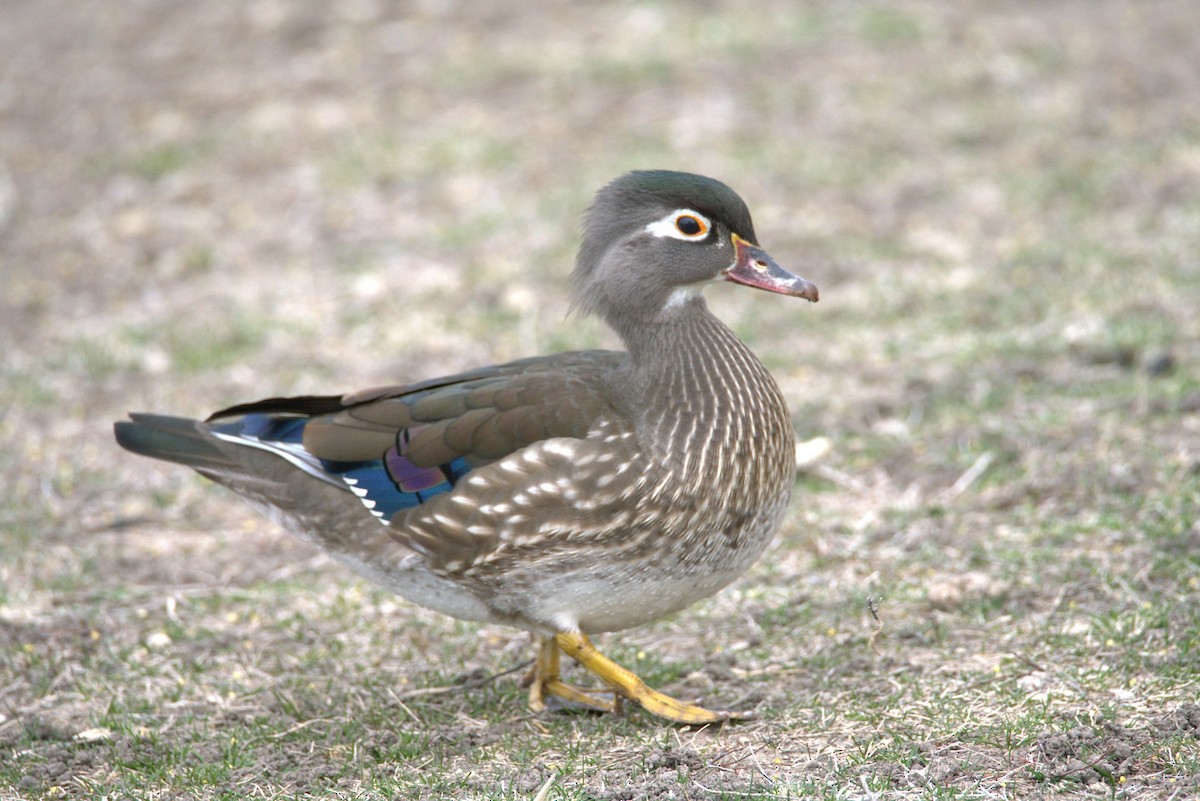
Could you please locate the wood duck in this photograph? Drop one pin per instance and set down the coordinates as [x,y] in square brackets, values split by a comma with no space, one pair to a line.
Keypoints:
[569,494]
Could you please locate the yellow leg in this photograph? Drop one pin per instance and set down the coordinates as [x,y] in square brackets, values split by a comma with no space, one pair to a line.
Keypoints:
[577,646]
[544,681]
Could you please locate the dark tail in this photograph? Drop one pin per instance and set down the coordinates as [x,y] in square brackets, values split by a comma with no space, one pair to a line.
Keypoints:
[174,439]
[291,490]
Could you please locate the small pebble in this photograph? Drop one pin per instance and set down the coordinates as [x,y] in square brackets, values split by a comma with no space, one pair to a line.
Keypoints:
[1160,364]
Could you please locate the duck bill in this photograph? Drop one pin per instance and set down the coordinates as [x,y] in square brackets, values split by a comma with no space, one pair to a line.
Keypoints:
[753,267]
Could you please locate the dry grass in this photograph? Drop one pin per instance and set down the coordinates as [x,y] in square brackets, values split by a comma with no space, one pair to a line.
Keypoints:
[211,202]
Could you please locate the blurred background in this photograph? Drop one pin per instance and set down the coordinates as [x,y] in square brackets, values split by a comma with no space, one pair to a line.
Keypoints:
[203,203]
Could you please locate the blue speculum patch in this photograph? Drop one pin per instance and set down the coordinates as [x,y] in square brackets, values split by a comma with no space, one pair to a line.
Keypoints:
[392,484]
[387,485]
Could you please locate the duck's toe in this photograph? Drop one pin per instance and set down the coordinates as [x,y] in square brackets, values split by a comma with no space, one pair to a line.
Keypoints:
[628,684]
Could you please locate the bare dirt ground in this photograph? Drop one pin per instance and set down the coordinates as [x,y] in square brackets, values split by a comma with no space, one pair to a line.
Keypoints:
[205,203]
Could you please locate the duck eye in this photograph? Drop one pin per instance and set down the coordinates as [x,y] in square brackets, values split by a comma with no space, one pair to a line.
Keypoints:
[690,226]
[685,224]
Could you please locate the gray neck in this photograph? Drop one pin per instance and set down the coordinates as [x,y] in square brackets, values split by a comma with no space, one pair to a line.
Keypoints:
[704,400]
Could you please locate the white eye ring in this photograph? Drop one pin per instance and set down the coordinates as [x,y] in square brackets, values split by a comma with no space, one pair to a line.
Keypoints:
[677,223]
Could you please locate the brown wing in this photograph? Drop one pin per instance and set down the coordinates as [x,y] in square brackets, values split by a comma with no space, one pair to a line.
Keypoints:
[404,449]
[481,416]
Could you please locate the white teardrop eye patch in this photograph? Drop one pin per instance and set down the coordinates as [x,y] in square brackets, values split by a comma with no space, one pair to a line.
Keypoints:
[685,224]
